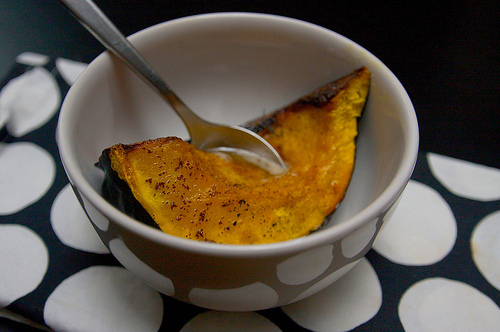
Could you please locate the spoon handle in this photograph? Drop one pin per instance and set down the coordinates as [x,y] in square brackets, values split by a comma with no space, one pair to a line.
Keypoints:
[204,135]
[97,23]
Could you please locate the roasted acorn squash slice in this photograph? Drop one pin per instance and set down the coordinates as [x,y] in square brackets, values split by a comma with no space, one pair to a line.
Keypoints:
[197,195]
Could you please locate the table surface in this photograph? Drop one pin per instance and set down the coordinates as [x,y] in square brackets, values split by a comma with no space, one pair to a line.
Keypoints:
[444,53]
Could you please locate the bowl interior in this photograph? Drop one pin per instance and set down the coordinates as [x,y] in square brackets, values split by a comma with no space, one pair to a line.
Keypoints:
[231,68]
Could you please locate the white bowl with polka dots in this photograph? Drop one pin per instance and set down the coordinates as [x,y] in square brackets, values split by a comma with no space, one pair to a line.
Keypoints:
[230,68]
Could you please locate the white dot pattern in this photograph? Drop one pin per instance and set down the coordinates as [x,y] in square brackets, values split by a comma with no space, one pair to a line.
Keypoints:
[349,302]
[71,224]
[466,179]
[414,235]
[32,59]
[134,264]
[69,69]
[103,298]
[82,291]
[306,266]
[31,100]
[445,305]
[355,242]
[26,172]
[23,262]
[485,248]
[325,282]
[256,295]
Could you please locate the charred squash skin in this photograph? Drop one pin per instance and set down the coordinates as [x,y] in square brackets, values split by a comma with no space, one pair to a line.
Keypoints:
[198,195]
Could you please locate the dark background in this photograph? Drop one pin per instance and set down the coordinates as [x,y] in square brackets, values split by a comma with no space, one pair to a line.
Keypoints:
[444,52]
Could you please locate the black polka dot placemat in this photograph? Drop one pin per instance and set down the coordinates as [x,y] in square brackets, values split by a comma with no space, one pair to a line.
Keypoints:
[435,265]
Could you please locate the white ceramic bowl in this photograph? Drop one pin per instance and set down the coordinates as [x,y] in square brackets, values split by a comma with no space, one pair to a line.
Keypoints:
[230,68]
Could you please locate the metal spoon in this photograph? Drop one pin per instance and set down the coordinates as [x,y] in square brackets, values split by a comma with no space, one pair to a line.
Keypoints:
[204,135]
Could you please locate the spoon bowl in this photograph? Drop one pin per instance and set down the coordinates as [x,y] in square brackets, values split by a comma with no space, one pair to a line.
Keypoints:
[204,135]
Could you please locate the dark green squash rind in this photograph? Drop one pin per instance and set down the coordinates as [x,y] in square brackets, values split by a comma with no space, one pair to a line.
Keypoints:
[117,192]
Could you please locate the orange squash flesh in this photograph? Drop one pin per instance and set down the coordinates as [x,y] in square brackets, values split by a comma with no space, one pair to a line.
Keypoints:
[197,195]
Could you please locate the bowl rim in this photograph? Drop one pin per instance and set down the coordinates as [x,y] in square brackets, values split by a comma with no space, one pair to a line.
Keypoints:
[315,239]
